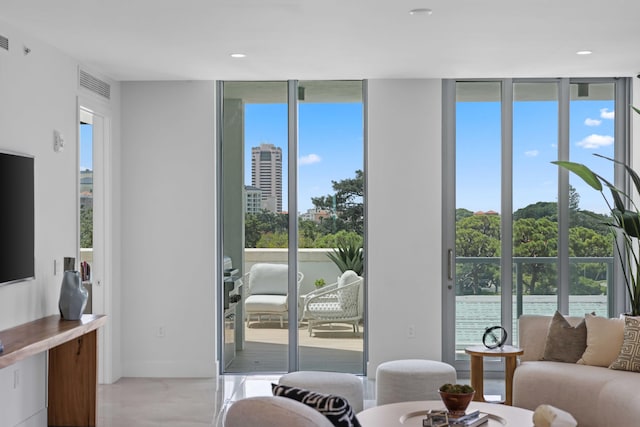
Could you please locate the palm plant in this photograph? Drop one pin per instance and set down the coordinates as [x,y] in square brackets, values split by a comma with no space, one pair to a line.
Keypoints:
[624,222]
[348,256]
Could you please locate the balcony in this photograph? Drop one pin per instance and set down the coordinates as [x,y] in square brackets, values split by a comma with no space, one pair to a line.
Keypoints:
[338,348]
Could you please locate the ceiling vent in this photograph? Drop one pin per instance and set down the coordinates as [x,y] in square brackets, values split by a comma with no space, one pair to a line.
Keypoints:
[4,42]
[95,85]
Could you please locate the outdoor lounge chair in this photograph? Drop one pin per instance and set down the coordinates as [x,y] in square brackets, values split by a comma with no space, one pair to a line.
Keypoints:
[340,302]
[266,292]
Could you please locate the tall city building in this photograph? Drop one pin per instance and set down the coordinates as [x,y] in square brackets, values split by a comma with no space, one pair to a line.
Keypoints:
[266,174]
[252,199]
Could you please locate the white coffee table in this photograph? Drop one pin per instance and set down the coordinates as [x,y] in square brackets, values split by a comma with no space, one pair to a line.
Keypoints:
[412,413]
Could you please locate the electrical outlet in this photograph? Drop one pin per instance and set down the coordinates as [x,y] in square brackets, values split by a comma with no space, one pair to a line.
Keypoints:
[411,331]
[160,333]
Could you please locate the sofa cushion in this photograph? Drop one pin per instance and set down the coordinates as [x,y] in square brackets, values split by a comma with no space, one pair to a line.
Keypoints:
[335,408]
[565,343]
[629,357]
[604,340]
[532,334]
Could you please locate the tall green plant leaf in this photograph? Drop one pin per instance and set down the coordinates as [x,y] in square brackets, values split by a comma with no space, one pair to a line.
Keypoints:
[583,172]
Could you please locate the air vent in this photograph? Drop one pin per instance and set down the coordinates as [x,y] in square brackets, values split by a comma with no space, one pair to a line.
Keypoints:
[95,85]
[4,42]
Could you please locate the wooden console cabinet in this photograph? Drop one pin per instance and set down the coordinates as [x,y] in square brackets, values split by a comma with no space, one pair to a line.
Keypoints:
[73,375]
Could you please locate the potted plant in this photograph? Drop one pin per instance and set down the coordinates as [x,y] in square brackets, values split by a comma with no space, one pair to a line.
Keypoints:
[624,222]
[456,398]
[319,283]
[348,256]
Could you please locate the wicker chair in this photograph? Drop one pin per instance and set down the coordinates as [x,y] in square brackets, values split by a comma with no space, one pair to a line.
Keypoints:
[266,292]
[340,302]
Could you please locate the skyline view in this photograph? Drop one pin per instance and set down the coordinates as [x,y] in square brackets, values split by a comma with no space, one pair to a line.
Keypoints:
[330,144]
[331,148]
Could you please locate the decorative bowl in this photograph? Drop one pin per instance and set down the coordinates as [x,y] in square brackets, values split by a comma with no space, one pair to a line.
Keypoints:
[456,403]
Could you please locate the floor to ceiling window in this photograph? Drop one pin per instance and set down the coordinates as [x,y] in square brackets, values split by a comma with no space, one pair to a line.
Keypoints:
[289,147]
[523,236]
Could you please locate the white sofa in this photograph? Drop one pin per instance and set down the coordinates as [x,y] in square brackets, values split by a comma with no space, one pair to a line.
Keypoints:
[595,396]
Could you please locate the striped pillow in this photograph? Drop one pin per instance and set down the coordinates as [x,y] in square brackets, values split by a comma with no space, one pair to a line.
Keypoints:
[335,408]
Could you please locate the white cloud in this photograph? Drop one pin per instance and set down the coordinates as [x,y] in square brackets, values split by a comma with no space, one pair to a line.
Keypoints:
[606,114]
[595,141]
[532,153]
[309,159]
[592,122]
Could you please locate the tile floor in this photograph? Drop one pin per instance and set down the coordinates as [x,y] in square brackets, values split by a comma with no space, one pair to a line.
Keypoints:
[185,402]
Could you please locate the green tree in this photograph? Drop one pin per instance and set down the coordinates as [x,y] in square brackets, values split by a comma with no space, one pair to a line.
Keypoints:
[346,203]
[86,228]
[477,236]
[256,225]
[587,278]
[535,238]
[342,237]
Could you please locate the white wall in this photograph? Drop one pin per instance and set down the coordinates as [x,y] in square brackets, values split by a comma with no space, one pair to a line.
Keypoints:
[38,93]
[404,220]
[168,235]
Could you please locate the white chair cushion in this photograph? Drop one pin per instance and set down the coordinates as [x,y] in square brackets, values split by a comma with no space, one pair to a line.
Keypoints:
[269,279]
[266,303]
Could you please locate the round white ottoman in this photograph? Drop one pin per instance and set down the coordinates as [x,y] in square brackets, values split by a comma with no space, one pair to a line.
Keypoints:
[340,384]
[411,379]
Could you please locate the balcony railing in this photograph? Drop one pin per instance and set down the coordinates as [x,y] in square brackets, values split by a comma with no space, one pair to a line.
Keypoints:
[476,312]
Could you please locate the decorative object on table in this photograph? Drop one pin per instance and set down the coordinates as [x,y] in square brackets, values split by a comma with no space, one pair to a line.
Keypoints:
[550,416]
[73,296]
[494,337]
[474,419]
[436,419]
[624,222]
[69,263]
[456,398]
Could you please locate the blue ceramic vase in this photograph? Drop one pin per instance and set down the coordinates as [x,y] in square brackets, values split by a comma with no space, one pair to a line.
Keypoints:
[73,296]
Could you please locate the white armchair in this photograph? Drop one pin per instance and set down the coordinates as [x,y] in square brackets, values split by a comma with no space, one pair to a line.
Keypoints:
[266,292]
[340,302]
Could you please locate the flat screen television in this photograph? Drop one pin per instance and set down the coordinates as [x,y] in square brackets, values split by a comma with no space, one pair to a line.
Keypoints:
[17,235]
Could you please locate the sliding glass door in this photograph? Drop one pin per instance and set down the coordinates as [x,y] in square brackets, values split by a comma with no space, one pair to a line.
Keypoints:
[522,236]
[291,172]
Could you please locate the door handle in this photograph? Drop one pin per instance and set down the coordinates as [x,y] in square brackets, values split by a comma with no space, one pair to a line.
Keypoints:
[450,265]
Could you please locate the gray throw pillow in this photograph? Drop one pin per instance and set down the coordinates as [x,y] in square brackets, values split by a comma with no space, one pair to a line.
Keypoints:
[565,343]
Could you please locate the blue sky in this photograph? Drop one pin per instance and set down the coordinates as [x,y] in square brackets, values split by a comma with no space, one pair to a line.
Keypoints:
[331,148]
[86,147]
[330,144]
[535,134]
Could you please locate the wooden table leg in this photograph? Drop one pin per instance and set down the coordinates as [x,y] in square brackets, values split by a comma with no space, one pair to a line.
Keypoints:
[509,369]
[477,377]
[73,382]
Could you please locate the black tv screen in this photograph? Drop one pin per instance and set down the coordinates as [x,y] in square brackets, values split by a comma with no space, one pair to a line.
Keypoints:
[16,218]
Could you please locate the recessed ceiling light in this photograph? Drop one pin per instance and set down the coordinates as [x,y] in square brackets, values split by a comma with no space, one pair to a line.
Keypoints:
[421,11]
[238,55]
[584,52]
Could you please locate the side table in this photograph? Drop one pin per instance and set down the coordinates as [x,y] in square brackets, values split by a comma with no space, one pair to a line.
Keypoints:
[478,353]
